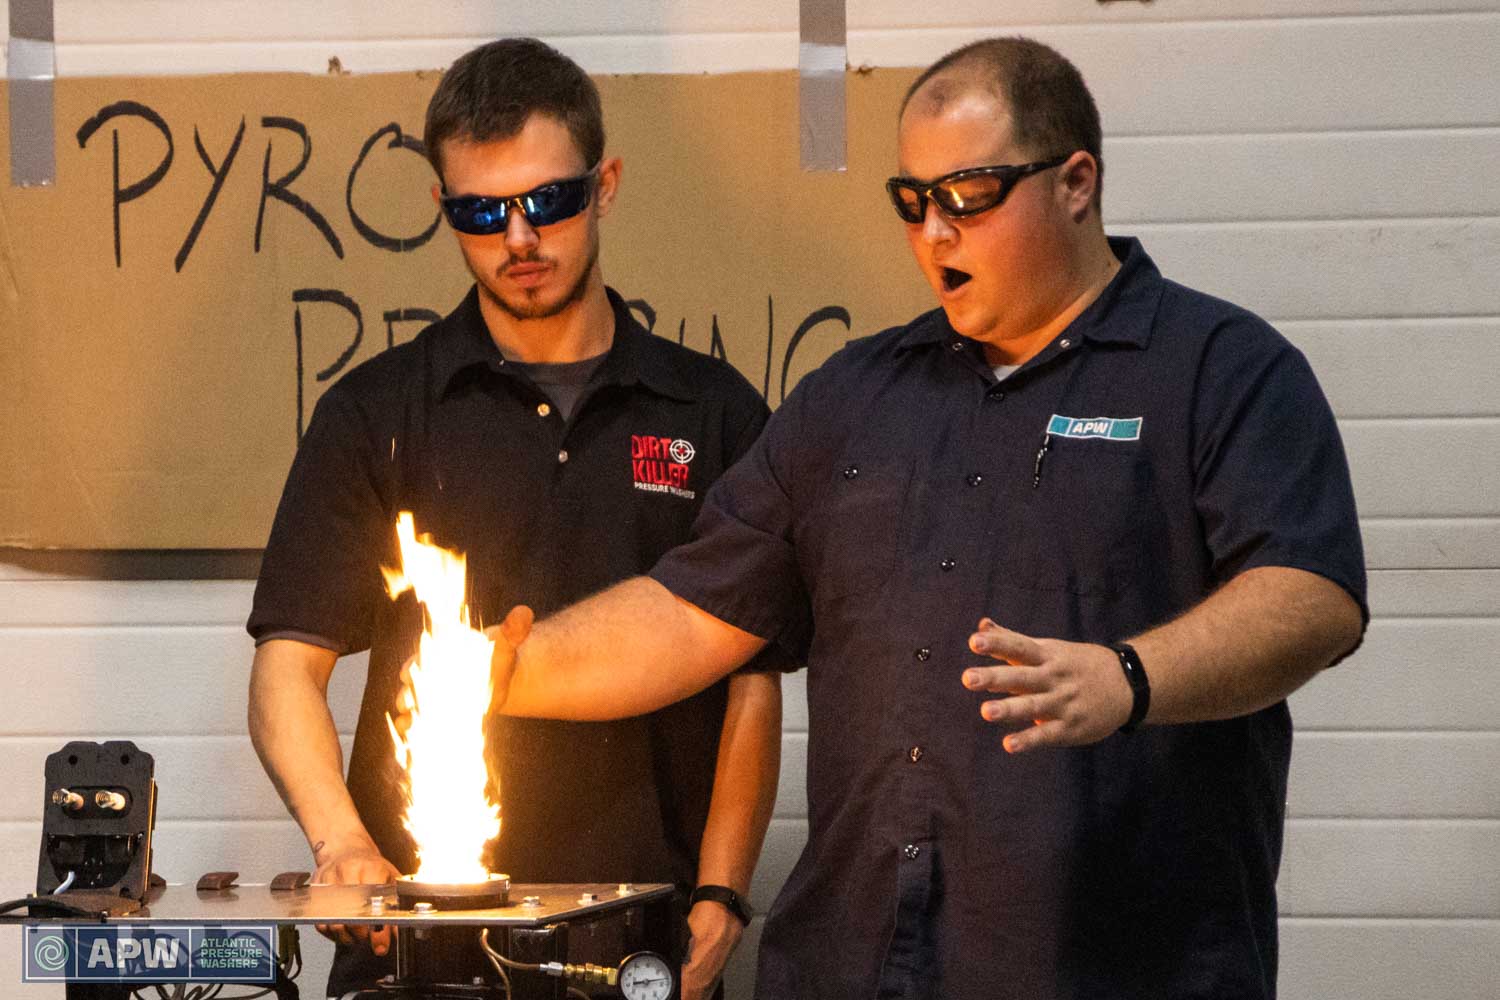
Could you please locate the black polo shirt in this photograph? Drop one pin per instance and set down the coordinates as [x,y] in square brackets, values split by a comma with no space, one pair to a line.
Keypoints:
[893,501]
[548,512]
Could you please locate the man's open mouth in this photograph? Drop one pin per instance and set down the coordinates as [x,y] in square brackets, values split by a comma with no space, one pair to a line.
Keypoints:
[954,278]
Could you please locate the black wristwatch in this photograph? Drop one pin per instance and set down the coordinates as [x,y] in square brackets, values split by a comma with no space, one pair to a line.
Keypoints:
[1140,687]
[731,900]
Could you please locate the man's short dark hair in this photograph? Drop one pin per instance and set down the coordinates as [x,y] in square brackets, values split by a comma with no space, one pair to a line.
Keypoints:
[490,92]
[1052,111]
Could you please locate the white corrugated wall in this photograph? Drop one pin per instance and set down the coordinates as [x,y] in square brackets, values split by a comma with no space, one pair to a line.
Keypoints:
[1332,164]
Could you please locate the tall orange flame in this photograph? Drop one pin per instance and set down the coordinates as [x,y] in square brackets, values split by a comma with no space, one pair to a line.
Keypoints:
[448,812]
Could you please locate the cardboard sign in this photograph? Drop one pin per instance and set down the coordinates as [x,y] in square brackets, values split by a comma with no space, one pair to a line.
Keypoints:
[216,251]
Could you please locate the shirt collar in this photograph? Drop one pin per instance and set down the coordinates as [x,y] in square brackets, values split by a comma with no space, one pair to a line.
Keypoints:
[1123,313]
[465,343]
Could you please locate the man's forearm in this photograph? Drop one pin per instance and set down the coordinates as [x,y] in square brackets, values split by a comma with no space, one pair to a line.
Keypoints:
[297,742]
[630,650]
[1247,646]
[744,792]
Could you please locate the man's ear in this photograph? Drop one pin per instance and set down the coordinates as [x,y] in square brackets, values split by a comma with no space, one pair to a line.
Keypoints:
[610,170]
[437,193]
[1079,178]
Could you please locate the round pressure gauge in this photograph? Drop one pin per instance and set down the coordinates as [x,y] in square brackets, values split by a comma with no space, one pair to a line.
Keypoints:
[645,976]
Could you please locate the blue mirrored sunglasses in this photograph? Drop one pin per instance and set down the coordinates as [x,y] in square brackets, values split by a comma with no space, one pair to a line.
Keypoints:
[482,215]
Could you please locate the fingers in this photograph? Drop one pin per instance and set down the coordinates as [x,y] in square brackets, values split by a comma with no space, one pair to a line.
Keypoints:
[1022,709]
[517,624]
[336,933]
[1072,692]
[364,867]
[1005,644]
[406,703]
[378,936]
[506,636]
[1044,734]
[1013,680]
[714,934]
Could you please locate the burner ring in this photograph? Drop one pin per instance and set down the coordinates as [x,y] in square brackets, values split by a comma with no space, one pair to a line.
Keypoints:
[487,895]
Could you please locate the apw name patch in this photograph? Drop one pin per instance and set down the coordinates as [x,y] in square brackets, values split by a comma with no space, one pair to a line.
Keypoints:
[1109,428]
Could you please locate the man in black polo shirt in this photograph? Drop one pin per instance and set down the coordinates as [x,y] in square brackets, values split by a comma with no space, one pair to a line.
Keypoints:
[540,429]
[1139,494]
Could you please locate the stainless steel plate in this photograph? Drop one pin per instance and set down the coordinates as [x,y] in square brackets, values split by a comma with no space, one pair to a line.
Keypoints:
[350,904]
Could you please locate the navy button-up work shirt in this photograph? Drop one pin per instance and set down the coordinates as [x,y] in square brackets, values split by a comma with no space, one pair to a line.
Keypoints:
[1163,443]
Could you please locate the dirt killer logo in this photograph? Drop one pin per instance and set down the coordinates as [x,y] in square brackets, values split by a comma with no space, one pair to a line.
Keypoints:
[660,464]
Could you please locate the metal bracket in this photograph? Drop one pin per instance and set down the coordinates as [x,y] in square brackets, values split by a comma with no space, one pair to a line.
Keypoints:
[97,820]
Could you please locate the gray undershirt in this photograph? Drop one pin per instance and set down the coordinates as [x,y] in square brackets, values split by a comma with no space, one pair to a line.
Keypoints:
[562,382]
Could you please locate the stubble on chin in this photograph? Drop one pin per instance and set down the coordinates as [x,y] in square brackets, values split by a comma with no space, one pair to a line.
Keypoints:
[530,306]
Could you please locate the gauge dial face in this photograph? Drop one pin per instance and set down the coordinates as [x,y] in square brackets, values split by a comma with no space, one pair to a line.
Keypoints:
[645,976]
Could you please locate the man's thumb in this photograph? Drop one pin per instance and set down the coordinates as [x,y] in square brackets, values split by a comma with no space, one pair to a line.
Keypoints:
[517,624]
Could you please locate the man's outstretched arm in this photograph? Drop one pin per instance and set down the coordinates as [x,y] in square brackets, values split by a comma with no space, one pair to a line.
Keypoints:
[626,651]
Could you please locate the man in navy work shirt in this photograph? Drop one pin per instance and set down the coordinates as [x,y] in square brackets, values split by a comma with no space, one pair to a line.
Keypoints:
[1139,495]
[540,429]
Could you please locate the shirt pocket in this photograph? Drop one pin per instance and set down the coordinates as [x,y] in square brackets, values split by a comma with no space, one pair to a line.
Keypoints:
[854,536]
[1088,521]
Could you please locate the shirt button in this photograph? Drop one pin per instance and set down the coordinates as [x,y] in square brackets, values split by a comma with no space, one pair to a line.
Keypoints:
[957,345]
[543,410]
[851,471]
[947,564]
[924,654]
[912,852]
[1065,343]
[996,394]
[562,456]
[915,753]
[974,479]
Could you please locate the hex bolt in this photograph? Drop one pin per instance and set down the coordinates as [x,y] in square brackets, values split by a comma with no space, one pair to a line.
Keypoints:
[69,800]
[113,801]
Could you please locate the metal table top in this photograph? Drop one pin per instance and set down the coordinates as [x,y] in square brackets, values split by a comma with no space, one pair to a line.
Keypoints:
[350,904]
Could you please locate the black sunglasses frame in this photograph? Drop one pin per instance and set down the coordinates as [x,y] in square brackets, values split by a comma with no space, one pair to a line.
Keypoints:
[574,194]
[1009,175]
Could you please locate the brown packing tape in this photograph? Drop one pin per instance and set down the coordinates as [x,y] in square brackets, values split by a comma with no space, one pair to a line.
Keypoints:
[154,403]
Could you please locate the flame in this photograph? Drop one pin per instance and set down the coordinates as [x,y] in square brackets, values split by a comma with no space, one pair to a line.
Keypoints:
[448,812]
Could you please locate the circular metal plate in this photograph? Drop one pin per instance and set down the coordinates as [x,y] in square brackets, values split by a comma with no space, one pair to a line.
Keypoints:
[489,894]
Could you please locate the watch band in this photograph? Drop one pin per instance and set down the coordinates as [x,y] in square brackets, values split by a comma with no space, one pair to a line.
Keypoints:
[722,894]
[1140,686]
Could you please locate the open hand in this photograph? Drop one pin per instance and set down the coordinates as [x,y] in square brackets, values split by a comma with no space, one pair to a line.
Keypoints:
[1073,692]
[355,864]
